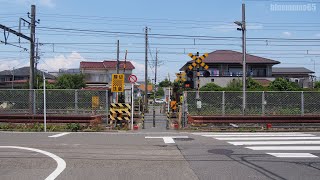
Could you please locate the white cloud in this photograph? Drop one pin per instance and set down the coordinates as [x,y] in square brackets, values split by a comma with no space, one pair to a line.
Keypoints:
[287,34]
[139,70]
[62,62]
[5,65]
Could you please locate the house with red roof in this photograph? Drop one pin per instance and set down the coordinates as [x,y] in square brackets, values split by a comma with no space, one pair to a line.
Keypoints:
[226,65]
[99,74]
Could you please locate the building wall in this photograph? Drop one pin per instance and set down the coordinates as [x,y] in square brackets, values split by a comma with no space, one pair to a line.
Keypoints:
[102,75]
[223,81]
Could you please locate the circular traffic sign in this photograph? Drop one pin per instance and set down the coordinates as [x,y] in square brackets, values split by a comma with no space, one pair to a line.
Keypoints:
[133,78]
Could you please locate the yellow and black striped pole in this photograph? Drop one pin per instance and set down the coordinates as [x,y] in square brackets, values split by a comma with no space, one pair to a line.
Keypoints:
[142,118]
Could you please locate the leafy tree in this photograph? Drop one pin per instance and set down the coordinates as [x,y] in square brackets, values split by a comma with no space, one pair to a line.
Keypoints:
[281,84]
[210,87]
[317,85]
[165,83]
[253,85]
[160,92]
[69,81]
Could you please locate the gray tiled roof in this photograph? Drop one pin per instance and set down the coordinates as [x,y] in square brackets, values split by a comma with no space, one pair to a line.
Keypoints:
[291,70]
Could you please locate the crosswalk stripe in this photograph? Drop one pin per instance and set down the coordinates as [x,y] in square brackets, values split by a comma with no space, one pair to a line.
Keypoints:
[284,148]
[293,155]
[239,143]
[262,135]
[265,138]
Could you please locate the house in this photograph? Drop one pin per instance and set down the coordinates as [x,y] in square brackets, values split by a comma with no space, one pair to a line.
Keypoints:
[226,65]
[300,75]
[99,74]
[19,78]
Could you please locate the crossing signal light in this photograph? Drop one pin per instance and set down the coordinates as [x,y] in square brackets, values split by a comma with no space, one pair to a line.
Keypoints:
[190,74]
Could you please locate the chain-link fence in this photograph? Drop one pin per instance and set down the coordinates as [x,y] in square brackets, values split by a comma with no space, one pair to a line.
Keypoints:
[57,102]
[257,103]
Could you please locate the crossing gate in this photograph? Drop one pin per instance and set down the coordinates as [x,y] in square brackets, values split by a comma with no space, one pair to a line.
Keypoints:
[120,112]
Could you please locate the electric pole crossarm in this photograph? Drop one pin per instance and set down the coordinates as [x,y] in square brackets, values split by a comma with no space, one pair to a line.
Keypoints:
[15,32]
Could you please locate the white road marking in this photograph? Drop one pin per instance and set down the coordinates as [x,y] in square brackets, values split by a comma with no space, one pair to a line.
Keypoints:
[167,139]
[239,143]
[59,135]
[262,135]
[293,155]
[61,164]
[245,133]
[266,138]
[285,148]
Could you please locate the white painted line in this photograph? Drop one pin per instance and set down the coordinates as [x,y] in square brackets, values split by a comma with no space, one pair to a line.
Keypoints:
[265,138]
[293,155]
[240,143]
[61,164]
[167,139]
[174,137]
[253,135]
[59,135]
[285,148]
[244,133]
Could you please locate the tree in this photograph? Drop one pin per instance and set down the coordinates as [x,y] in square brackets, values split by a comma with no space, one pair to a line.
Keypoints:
[253,85]
[69,81]
[234,85]
[210,87]
[317,85]
[281,84]
[165,83]
[160,92]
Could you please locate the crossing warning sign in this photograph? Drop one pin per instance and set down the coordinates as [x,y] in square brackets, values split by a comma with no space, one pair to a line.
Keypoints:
[117,84]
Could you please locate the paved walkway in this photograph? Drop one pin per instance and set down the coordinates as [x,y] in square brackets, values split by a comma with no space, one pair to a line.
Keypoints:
[160,121]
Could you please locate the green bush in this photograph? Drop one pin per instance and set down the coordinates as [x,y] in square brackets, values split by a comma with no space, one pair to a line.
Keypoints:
[74,127]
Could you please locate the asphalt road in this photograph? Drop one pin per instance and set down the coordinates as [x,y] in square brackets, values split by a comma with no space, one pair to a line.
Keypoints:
[130,155]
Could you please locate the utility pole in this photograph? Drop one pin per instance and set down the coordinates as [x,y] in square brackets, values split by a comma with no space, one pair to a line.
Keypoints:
[118,65]
[118,54]
[32,45]
[36,62]
[244,74]
[242,28]
[146,72]
[154,91]
[12,78]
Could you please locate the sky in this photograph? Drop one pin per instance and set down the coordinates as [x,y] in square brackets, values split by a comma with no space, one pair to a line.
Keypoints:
[72,31]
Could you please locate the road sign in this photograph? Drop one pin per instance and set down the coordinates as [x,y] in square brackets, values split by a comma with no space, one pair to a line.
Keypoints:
[117,83]
[198,61]
[133,78]
[181,76]
[95,101]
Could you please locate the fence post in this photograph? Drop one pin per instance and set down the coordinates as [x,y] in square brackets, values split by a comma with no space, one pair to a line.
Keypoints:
[34,101]
[107,105]
[185,109]
[76,101]
[223,104]
[302,103]
[263,103]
